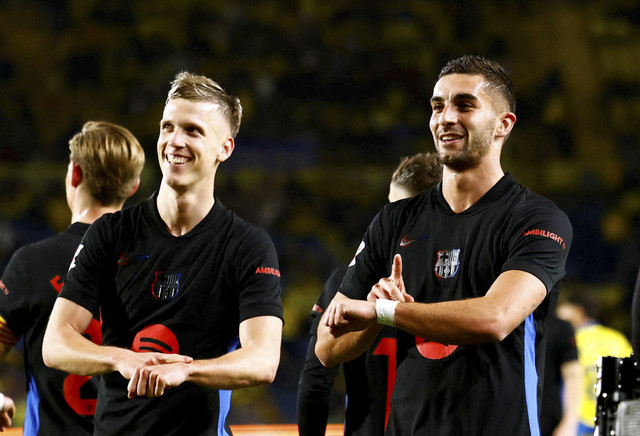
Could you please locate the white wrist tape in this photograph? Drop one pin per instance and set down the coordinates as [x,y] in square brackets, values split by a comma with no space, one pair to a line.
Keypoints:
[386,312]
[1,401]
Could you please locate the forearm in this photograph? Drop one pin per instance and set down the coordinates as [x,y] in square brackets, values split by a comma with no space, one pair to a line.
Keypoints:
[341,344]
[239,369]
[254,364]
[66,350]
[490,318]
[452,322]
[572,374]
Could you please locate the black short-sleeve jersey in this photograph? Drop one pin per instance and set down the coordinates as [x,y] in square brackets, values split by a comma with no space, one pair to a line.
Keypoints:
[57,402]
[186,295]
[368,379]
[484,389]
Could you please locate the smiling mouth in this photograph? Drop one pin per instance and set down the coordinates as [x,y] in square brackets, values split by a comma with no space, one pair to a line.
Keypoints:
[177,160]
[449,138]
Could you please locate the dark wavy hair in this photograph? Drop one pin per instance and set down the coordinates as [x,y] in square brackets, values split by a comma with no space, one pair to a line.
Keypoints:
[493,73]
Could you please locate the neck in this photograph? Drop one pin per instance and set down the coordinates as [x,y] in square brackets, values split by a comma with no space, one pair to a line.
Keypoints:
[90,213]
[461,190]
[182,211]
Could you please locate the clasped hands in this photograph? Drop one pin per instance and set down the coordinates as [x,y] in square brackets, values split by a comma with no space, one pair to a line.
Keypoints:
[150,374]
[342,310]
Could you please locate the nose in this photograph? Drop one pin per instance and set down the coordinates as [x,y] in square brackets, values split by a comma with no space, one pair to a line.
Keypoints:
[176,139]
[448,115]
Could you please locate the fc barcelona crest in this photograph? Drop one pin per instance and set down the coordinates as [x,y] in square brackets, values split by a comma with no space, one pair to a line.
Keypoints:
[166,286]
[447,264]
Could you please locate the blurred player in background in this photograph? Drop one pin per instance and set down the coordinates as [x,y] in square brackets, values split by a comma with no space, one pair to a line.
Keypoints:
[562,381]
[593,340]
[369,378]
[104,170]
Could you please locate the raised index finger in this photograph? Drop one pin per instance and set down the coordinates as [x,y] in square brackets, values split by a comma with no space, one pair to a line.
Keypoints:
[396,269]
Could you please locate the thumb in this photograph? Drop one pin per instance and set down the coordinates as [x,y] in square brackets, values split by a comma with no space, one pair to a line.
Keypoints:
[408,298]
[174,358]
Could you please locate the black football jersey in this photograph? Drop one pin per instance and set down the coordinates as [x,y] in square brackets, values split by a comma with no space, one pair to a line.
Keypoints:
[185,295]
[483,389]
[57,402]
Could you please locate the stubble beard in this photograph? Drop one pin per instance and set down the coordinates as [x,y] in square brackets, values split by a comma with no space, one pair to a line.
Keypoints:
[472,154]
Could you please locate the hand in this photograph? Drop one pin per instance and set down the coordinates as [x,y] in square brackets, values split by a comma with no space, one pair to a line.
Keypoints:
[392,287]
[152,381]
[343,311]
[8,411]
[129,361]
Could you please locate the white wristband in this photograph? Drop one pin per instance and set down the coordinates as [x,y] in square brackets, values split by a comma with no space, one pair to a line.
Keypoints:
[386,312]
[1,401]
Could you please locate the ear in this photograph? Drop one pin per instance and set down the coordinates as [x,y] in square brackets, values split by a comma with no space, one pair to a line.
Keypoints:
[76,175]
[507,121]
[135,189]
[226,149]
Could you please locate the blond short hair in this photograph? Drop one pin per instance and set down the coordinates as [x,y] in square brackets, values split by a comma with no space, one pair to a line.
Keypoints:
[200,88]
[111,160]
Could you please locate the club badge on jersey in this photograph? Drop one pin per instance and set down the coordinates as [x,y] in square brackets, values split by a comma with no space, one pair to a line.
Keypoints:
[166,286]
[448,263]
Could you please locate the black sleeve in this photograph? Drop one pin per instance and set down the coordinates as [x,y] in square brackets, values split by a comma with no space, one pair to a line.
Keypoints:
[314,394]
[260,293]
[316,381]
[93,266]
[539,242]
[635,319]
[373,258]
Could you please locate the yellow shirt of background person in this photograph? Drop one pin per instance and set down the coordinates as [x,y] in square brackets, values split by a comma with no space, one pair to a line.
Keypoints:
[595,340]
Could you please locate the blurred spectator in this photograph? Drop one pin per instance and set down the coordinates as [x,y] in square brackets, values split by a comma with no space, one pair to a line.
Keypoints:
[562,381]
[593,340]
[369,379]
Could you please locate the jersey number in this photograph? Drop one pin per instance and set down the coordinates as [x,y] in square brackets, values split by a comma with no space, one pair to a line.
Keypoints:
[73,383]
[387,347]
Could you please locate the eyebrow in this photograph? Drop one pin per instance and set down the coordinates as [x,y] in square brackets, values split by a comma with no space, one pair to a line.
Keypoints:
[456,97]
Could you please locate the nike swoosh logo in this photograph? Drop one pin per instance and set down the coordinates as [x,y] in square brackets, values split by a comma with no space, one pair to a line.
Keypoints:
[127,260]
[405,241]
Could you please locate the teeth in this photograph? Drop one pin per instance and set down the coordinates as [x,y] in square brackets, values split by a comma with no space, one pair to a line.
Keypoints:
[448,138]
[172,159]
